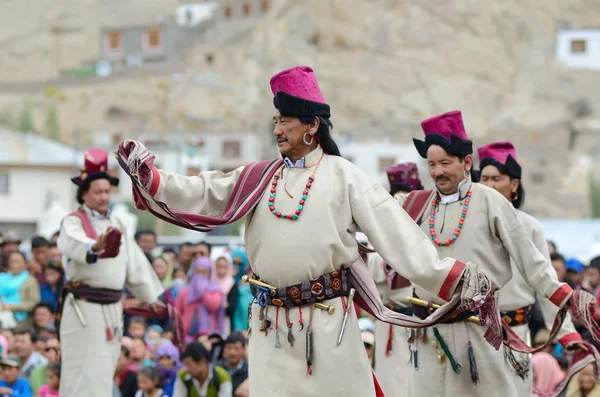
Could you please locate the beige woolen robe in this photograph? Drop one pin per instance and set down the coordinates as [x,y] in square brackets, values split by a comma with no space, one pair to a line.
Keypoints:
[392,370]
[342,200]
[492,234]
[88,359]
[517,294]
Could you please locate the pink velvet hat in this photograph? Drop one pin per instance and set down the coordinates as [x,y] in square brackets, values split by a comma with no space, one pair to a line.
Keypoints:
[297,93]
[446,130]
[95,166]
[502,155]
[404,177]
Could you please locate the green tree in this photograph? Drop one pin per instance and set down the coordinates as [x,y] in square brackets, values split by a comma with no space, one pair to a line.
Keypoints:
[594,197]
[51,128]
[25,123]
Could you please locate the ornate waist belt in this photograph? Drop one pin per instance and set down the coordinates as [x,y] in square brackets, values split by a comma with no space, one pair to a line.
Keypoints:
[423,312]
[328,286]
[517,317]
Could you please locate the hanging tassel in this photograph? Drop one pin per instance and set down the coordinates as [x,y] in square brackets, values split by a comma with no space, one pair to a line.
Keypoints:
[309,345]
[109,334]
[519,368]
[424,339]
[456,367]
[290,336]
[388,346]
[473,364]
[266,322]
[300,320]
[277,340]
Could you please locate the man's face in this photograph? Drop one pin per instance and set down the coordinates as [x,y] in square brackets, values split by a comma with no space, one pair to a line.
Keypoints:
[559,267]
[7,248]
[197,369]
[492,177]
[289,132]
[447,171]
[52,276]
[10,374]
[574,277]
[23,345]
[186,255]
[41,255]
[593,276]
[55,254]
[52,350]
[233,353]
[42,317]
[138,352]
[147,243]
[136,330]
[98,195]
[202,250]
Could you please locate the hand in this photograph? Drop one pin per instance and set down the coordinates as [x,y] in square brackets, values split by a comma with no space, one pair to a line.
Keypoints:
[101,242]
[158,306]
[5,307]
[6,390]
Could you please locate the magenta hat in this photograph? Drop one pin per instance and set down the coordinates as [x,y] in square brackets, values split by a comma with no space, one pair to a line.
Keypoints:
[95,166]
[297,93]
[502,155]
[446,130]
[404,177]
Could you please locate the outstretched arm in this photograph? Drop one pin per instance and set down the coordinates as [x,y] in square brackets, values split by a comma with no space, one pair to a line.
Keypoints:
[403,245]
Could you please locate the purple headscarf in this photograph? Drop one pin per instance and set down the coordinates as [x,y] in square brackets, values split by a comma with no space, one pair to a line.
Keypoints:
[168,349]
[199,283]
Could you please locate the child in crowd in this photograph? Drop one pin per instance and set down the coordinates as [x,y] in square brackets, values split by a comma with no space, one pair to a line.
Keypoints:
[149,383]
[53,376]
[11,384]
[136,327]
[168,364]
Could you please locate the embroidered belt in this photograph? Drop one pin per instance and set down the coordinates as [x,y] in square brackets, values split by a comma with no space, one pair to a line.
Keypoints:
[328,286]
[517,317]
[423,312]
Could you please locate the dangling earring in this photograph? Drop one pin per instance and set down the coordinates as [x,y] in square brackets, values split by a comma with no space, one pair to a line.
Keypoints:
[515,196]
[305,141]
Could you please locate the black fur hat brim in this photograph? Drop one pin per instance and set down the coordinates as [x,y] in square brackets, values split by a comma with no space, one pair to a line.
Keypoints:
[511,168]
[95,176]
[455,146]
[292,106]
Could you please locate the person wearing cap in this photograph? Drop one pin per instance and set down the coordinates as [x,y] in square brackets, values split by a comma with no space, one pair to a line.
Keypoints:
[99,258]
[575,272]
[10,382]
[304,210]
[392,354]
[500,170]
[472,222]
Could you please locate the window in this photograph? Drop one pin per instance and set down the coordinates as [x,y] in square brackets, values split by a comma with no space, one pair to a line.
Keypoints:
[231,149]
[264,5]
[113,41]
[4,183]
[385,163]
[227,12]
[153,38]
[246,9]
[578,46]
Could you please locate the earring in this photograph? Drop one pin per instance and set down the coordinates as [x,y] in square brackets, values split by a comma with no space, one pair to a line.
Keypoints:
[305,141]
[515,196]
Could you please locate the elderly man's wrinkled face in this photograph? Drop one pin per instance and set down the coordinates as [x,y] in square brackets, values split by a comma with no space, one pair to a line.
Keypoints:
[289,132]
[446,170]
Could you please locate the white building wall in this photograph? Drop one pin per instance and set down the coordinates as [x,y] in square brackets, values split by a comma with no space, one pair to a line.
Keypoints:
[589,59]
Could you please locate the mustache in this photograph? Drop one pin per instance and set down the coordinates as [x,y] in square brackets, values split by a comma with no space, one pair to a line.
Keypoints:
[442,178]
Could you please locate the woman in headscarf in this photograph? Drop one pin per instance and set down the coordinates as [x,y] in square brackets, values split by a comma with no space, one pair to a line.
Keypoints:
[239,319]
[546,372]
[201,302]
[240,263]
[223,276]
[163,269]
[19,291]
[167,363]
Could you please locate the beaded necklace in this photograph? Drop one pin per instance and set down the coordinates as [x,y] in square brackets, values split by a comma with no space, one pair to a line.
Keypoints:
[296,214]
[434,208]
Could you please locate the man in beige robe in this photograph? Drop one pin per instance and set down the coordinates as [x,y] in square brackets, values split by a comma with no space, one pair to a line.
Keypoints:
[392,353]
[302,228]
[471,222]
[91,332]
[501,171]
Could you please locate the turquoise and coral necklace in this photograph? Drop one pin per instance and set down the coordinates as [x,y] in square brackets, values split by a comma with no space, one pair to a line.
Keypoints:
[273,194]
[435,203]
